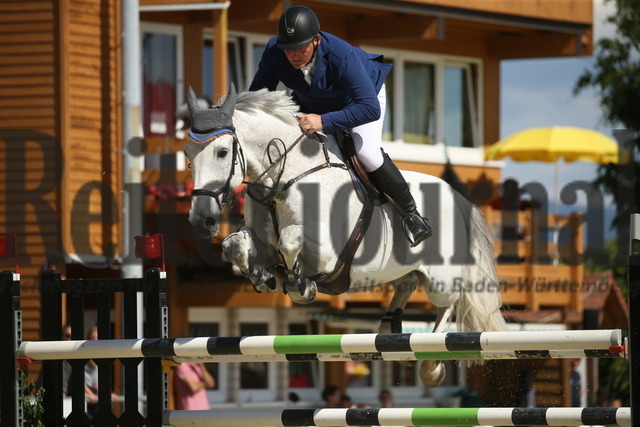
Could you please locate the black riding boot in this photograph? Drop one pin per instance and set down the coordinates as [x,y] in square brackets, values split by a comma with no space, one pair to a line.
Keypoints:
[388,180]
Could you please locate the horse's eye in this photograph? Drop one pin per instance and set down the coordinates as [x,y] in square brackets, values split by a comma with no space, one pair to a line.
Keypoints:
[222,153]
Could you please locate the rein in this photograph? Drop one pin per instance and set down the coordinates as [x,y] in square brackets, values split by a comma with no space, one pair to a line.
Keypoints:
[225,190]
[333,283]
[269,200]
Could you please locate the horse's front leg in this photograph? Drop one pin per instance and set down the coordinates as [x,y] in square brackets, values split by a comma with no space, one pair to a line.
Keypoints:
[300,289]
[244,250]
[403,288]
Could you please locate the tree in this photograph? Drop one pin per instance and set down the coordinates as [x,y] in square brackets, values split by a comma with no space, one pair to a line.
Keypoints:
[616,78]
[31,401]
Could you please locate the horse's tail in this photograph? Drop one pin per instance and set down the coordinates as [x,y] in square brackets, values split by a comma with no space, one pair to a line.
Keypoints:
[480,302]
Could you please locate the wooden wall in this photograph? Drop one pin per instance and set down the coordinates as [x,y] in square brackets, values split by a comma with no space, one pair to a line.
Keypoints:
[29,145]
[59,137]
[90,125]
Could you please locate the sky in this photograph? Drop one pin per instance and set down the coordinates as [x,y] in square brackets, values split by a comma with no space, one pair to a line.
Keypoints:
[538,93]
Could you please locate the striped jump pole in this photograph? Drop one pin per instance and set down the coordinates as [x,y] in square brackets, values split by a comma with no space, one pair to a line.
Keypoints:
[606,339]
[400,416]
[401,356]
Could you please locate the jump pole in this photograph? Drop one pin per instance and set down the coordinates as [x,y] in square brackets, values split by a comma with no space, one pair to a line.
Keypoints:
[634,317]
[401,356]
[399,416]
[606,339]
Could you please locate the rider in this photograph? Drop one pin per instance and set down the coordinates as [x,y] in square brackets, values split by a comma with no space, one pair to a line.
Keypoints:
[338,86]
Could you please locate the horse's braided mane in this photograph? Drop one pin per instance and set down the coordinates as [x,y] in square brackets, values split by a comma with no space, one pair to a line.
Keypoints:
[275,103]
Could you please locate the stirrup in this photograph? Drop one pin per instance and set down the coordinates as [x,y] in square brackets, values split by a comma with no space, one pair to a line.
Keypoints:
[416,228]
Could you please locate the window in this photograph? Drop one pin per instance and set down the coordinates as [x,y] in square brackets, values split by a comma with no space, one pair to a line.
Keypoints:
[431,99]
[244,52]
[458,107]
[235,66]
[161,77]
[256,51]
[419,108]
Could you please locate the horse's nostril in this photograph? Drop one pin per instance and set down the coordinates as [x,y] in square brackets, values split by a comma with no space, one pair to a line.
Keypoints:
[210,221]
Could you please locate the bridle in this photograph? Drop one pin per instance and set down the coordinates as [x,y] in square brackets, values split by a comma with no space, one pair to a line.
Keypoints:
[237,156]
[269,200]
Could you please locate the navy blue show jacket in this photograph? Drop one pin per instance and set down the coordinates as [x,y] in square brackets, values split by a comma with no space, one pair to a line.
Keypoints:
[345,85]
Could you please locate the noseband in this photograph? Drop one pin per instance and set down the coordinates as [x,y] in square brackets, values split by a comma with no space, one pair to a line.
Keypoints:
[237,154]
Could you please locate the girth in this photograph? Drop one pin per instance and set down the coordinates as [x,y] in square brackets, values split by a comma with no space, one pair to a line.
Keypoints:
[338,281]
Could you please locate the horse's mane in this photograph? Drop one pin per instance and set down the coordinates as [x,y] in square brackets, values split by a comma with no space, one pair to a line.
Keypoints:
[275,103]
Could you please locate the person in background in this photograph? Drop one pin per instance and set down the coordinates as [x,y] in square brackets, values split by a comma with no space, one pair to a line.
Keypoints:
[332,396]
[66,368]
[191,381]
[576,383]
[91,379]
[346,402]
[386,399]
[338,87]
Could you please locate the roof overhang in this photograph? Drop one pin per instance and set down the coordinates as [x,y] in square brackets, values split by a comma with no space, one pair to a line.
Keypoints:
[439,11]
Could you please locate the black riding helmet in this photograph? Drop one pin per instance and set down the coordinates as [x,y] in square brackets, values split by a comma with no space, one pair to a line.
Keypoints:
[297,27]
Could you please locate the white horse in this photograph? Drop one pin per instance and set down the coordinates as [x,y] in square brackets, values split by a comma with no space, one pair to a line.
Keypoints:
[301,208]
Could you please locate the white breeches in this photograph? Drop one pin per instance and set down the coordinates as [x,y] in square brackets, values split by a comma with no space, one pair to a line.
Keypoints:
[368,138]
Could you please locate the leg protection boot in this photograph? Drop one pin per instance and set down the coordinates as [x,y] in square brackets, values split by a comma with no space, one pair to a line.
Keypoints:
[389,180]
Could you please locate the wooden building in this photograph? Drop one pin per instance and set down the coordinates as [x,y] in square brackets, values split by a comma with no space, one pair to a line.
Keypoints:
[61,144]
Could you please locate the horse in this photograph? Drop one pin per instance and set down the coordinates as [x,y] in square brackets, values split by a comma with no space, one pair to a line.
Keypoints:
[302,208]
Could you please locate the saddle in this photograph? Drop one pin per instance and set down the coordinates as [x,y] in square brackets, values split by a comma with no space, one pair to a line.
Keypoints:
[359,175]
[338,281]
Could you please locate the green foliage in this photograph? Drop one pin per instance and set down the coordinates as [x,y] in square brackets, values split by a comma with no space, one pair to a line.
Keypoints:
[31,402]
[616,78]
[616,74]
[608,262]
[614,380]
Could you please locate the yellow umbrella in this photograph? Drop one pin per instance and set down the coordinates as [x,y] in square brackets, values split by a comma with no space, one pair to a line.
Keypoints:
[558,142]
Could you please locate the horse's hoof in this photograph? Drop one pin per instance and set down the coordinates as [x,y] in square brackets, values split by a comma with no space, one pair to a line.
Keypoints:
[307,296]
[432,372]
[262,280]
[391,322]
[266,286]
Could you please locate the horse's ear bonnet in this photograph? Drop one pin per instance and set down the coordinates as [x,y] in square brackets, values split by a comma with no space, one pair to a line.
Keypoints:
[206,121]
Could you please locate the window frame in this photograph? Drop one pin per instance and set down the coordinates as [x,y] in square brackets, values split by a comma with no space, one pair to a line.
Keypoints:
[398,149]
[238,44]
[245,43]
[249,40]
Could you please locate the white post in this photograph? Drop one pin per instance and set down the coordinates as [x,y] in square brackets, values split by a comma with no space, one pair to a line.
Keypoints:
[132,153]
